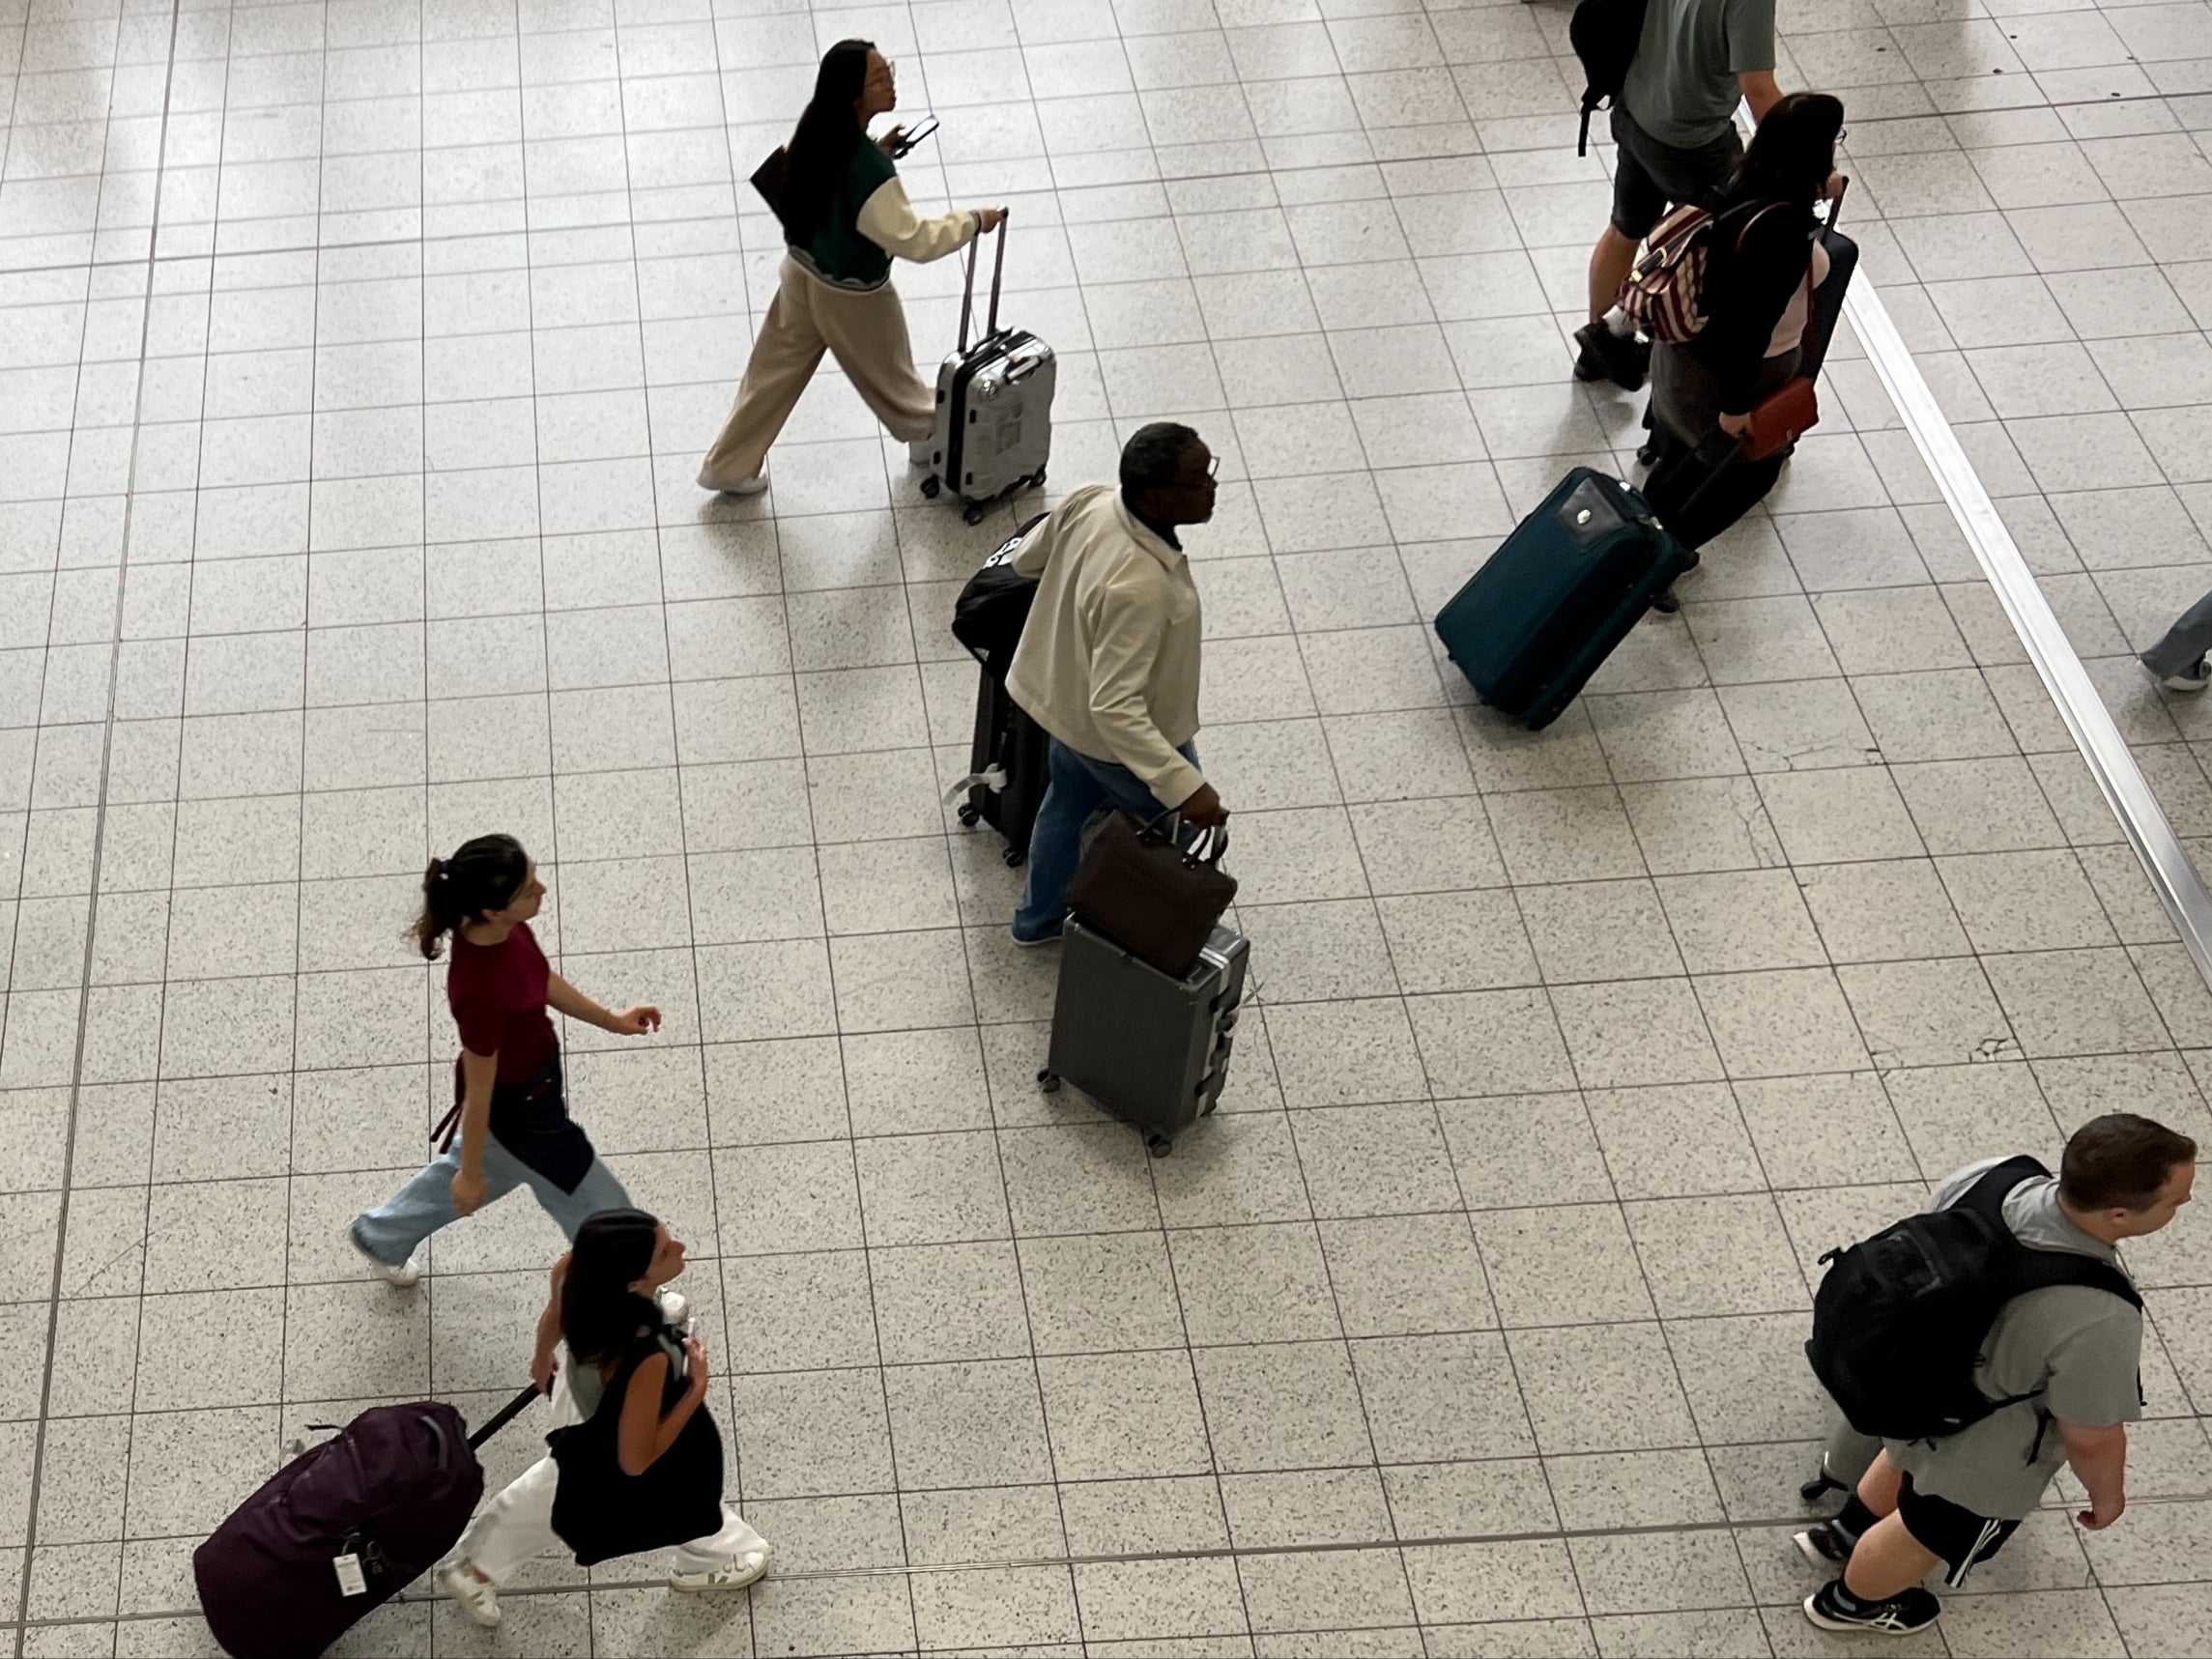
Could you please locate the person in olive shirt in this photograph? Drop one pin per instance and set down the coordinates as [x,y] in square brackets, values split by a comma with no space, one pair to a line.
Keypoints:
[845,216]
[1675,128]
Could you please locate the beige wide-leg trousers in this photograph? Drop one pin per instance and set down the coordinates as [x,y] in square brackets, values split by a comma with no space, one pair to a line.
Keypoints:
[866,330]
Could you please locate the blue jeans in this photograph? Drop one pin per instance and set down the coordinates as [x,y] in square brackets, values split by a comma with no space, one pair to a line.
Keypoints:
[393,1228]
[1079,786]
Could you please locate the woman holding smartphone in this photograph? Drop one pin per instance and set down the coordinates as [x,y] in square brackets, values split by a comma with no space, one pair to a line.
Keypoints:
[636,1463]
[509,1125]
[846,217]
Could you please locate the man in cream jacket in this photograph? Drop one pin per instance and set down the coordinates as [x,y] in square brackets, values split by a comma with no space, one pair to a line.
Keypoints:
[1109,661]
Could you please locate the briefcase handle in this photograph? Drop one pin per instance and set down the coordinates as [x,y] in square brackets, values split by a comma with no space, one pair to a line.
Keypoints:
[968,289]
[1207,847]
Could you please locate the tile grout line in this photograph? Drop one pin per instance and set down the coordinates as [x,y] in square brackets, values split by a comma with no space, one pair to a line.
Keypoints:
[35,1484]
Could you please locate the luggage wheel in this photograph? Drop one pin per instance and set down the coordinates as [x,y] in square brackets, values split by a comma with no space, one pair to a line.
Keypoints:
[974,514]
[1159,1145]
[1049,1081]
[968,815]
[1016,857]
[1818,1487]
[931,486]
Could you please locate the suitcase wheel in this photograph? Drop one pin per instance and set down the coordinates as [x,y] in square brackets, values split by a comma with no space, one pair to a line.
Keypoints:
[1159,1145]
[1016,857]
[974,514]
[931,486]
[1049,1081]
[968,815]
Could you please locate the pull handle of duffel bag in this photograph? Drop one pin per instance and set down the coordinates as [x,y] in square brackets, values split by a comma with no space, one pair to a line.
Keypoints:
[505,1415]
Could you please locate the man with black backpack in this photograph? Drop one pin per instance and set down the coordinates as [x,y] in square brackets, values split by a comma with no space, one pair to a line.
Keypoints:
[1987,1341]
[1673,71]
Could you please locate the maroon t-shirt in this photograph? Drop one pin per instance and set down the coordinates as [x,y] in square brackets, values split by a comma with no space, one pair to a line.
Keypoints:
[497,996]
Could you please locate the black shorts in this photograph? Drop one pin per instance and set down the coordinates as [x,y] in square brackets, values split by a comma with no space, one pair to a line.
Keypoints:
[1650,177]
[1963,1538]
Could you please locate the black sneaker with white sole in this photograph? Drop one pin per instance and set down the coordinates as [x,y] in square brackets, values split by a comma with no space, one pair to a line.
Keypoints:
[1602,354]
[1824,1545]
[1900,1614]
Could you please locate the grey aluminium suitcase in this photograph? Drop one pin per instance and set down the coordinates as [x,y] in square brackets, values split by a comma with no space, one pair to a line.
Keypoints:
[1151,1049]
[995,406]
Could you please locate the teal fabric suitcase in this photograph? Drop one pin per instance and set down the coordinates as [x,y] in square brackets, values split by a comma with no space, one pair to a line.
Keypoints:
[1535,622]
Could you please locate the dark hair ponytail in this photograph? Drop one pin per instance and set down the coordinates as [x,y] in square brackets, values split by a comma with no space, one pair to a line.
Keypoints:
[826,136]
[600,1314]
[482,875]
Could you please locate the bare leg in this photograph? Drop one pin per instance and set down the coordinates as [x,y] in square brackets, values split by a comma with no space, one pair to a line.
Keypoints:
[1887,1561]
[1610,263]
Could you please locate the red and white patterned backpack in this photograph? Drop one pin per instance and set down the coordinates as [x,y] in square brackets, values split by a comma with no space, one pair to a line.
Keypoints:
[1664,290]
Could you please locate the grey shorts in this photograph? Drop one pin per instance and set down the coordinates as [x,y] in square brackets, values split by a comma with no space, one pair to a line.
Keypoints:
[1650,177]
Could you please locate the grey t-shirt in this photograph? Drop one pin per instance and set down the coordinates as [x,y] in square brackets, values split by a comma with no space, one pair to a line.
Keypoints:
[2075,1349]
[1681,86]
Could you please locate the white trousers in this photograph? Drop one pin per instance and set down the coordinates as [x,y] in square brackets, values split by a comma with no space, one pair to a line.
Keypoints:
[517,1525]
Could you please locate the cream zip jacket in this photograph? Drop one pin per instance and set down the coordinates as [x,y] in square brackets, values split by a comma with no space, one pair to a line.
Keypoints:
[889,221]
[1109,661]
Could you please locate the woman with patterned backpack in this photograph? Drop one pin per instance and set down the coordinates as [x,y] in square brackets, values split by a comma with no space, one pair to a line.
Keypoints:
[1726,296]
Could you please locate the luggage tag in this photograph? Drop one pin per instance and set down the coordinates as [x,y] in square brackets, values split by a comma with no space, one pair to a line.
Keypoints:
[351,1580]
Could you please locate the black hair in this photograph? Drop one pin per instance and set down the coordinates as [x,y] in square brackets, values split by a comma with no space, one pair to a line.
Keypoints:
[600,1314]
[1792,152]
[2120,1162]
[826,136]
[1154,455]
[482,875]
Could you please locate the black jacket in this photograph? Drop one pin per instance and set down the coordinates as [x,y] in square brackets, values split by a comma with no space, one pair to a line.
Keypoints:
[1755,259]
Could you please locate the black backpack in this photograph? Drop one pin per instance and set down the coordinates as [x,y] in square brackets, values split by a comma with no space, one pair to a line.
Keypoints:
[1604,34]
[994,608]
[1900,1320]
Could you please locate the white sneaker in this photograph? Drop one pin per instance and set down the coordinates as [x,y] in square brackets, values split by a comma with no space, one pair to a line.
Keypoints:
[740,1571]
[752,486]
[2196,679]
[405,1276]
[480,1599]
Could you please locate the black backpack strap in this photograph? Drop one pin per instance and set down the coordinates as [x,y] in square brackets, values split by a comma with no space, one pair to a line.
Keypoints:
[1994,1186]
[2041,1270]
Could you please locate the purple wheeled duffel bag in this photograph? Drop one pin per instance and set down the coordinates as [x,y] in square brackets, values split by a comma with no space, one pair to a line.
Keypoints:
[342,1529]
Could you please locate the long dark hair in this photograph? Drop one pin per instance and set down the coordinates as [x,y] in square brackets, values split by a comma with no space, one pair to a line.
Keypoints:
[600,1314]
[1793,151]
[827,134]
[482,875]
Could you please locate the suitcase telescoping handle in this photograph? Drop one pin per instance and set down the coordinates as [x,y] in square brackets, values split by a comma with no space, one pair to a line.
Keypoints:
[505,1415]
[967,292]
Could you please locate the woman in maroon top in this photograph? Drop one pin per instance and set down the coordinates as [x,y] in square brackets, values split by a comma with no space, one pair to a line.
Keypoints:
[514,1124]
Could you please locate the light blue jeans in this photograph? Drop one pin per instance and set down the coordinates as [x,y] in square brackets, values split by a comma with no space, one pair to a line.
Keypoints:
[1079,786]
[393,1228]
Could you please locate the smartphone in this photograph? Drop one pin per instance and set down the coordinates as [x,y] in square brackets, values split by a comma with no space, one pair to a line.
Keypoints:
[913,136]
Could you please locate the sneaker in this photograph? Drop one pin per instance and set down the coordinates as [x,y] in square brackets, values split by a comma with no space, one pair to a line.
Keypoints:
[2196,679]
[741,1571]
[1824,1545]
[479,1598]
[1603,354]
[752,486]
[1051,938]
[1900,1614]
[405,1276]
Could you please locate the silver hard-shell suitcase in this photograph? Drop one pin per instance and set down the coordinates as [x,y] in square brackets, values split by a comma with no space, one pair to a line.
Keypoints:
[1152,1049]
[995,406]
